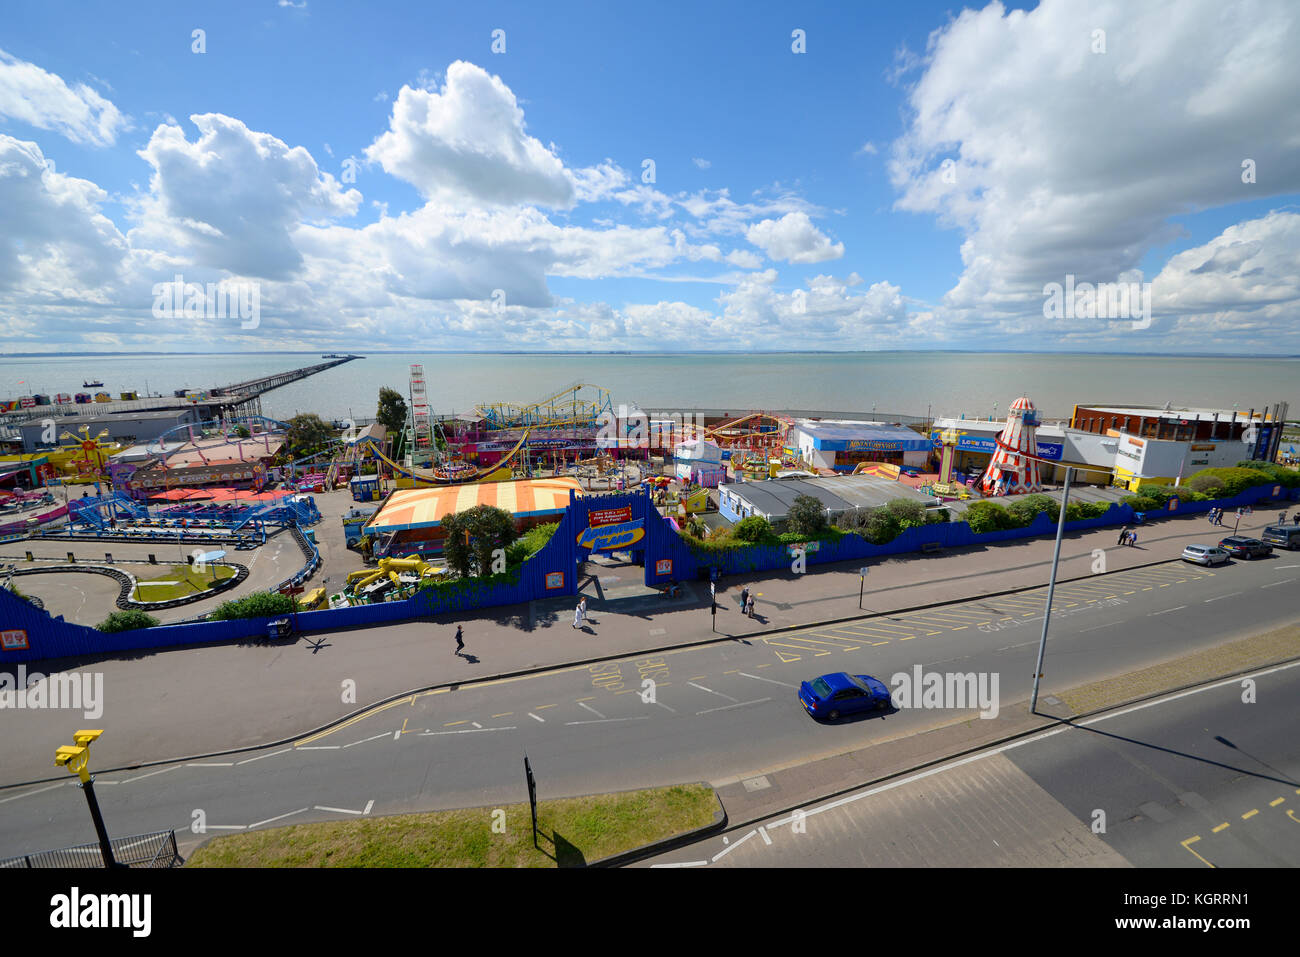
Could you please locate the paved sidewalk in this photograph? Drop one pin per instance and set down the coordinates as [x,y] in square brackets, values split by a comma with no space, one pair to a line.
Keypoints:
[182,702]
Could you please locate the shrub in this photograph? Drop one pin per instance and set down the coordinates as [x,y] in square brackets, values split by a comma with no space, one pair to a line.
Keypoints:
[720,534]
[985,517]
[126,621]
[881,525]
[1287,478]
[1235,480]
[910,514]
[1024,510]
[1210,485]
[262,604]
[533,539]
[753,529]
[1077,511]
[807,516]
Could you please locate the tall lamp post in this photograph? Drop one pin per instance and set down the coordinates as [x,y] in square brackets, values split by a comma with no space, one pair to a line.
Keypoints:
[1051,589]
[75,758]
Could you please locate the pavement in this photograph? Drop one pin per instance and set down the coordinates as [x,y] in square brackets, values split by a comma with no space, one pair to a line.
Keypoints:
[183,702]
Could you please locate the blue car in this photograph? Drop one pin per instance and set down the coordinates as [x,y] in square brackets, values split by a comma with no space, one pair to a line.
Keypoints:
[833,695]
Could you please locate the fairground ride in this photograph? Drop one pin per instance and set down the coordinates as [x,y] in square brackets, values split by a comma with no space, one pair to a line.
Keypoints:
[568,407]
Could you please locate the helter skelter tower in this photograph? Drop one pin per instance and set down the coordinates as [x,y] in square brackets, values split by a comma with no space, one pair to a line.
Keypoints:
[1011,471]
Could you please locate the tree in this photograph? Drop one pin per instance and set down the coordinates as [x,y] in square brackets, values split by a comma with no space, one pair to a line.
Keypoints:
[307,433]
[392,410]
[755,528]
[806,516]
[473,536]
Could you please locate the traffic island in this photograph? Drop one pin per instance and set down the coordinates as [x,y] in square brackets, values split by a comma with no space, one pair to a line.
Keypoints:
[571,832]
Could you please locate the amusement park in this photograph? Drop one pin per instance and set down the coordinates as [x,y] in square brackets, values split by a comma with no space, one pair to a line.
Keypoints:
[194,516]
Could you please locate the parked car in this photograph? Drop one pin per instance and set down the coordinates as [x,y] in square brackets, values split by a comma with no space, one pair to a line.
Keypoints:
[1205,554]
[837,694]
[1239,546]
[1283,536]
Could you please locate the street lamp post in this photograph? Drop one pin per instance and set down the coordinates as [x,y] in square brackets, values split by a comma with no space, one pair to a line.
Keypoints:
[1051,589]
[75,758]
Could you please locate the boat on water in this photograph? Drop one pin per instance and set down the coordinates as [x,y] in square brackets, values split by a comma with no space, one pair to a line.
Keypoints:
[92,385]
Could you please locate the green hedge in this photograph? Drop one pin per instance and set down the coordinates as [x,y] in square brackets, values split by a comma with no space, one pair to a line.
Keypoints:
[126,621]
[1287,478]
[262,604]
[1235,480]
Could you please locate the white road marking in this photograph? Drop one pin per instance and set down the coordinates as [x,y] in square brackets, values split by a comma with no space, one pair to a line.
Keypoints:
[535,718]
[278,817]
[261,756]
[731,847]
[591,709]
[1275,584]
[762,832]
[369,805]
[467,731]
[477,725]
[639,717]
[783,684]
[1166,611]
[397,734]
[684,864]
[364,740]
[1084,632]
[340,810]
[728,707]
[211,764]
[1221,597]
[323,747]
[141,777]
[711,691]
[49,787]
[662,705]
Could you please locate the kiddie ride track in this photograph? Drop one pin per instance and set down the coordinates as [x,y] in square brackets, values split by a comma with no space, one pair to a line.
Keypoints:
[566,407]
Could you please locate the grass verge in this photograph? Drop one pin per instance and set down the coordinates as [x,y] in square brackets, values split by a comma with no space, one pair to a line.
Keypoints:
[179,582]
[571,832]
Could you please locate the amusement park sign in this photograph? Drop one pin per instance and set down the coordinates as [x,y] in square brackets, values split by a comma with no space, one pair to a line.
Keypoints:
[610,537]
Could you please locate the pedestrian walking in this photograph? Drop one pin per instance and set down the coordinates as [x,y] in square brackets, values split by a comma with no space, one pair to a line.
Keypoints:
[1281,517]
[577,615]
[750,611]
[744,597]
[1133,537]
[1123,536]
[460,639]
[583,605]
[1297,518]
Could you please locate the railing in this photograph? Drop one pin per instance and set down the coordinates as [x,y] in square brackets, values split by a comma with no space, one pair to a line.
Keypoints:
[157,849]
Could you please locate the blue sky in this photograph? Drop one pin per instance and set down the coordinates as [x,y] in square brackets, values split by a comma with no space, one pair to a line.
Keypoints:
[798,199]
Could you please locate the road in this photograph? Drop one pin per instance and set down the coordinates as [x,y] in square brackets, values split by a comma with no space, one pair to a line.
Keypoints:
[1193,780]
[719,713]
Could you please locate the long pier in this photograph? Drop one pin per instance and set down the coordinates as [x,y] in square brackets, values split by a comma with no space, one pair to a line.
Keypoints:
[252,388]
[240,398]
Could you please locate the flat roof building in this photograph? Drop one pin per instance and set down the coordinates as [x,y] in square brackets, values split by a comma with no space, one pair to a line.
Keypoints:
[842,445]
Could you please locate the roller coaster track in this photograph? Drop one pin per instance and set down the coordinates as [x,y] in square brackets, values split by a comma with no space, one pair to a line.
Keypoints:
[551,411]
[429,478]
[717,433]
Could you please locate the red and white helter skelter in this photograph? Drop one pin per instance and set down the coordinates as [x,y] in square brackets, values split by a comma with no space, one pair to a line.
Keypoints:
[1011,471]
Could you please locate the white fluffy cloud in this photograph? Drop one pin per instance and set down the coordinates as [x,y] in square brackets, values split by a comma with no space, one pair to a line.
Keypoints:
[233,198]
[468,142]
[793,238]
[1054,159]
[55,241]
[41,99]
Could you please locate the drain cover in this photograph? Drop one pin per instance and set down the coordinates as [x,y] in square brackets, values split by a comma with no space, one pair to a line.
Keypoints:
[756,784]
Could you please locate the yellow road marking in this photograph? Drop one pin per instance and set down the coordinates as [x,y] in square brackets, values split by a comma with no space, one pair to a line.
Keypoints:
[1220,827]
[452,724]
[874,643]
[1276,802]
[349,723]
[404,720]
[503,714]
[1249,814]
[815,652]
[766,664]
[786,658]
[541,706]
[1192,840]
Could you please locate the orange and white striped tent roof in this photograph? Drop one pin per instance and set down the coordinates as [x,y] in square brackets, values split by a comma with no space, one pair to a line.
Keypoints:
[426,507]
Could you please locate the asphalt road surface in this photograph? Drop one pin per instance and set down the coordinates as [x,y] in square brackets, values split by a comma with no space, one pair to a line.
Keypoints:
[1194,780]
[718,713]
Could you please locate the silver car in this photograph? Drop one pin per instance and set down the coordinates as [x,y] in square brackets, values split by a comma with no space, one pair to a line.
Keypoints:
[1205,554]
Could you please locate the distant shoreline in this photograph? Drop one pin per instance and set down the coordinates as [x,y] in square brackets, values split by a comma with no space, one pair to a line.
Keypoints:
[702,352]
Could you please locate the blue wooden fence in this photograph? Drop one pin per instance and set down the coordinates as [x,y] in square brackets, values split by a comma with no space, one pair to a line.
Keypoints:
[29,634]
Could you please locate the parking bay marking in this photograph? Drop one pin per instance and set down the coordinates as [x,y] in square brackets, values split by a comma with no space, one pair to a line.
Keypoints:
[728,707]
[711,691]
